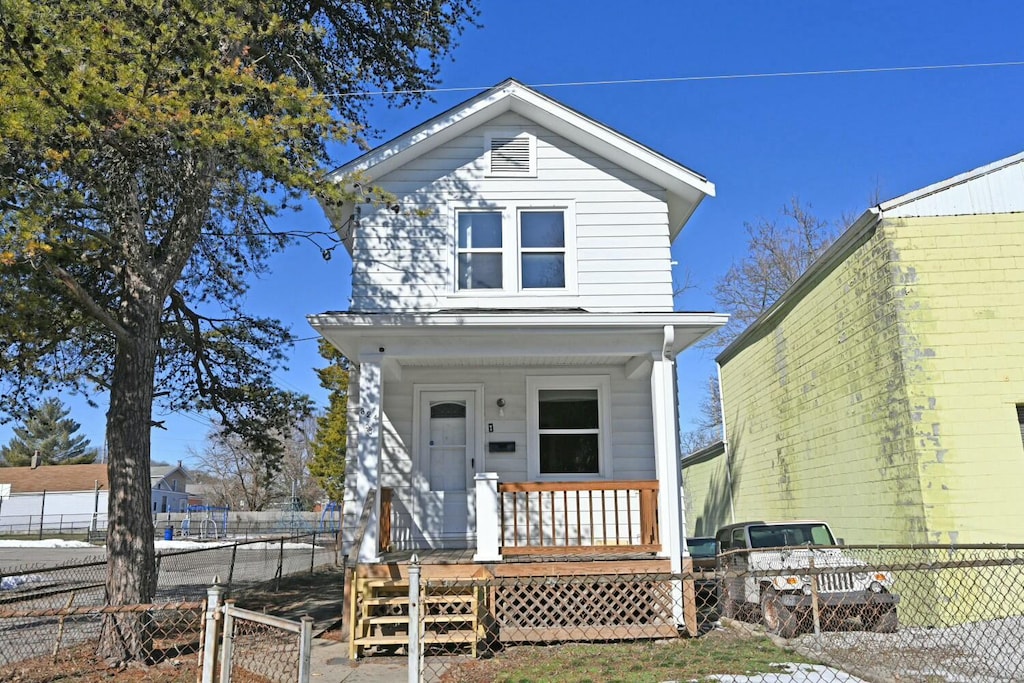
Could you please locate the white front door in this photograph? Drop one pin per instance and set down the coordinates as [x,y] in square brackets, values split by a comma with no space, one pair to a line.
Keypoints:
[448,459]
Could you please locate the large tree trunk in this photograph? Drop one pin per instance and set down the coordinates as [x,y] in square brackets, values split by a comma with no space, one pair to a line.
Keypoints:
[131,568]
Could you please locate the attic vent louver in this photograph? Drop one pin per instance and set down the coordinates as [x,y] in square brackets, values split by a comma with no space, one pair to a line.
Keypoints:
[512,155]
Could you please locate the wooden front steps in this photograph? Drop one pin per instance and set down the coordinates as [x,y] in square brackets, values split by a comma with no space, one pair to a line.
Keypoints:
[379,614]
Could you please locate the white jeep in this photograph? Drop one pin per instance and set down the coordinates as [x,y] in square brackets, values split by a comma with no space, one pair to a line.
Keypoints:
[782,567]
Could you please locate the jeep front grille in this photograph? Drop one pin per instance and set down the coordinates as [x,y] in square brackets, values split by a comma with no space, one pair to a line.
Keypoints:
[832,583]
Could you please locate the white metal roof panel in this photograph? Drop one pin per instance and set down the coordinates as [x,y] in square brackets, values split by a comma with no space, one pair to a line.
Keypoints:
[995,188]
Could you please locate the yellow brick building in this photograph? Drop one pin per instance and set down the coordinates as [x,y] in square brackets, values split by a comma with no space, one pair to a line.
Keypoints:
[884,392]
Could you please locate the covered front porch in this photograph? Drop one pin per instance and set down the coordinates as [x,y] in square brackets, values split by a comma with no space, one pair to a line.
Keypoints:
[514,434]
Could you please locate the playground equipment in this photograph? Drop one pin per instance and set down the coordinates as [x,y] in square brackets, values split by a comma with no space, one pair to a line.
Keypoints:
[207,525]
[330,518]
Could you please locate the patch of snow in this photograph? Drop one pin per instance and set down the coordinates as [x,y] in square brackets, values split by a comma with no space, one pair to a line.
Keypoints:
[9,583]
[188,545]
[46,543]
[792,673]
[193,545]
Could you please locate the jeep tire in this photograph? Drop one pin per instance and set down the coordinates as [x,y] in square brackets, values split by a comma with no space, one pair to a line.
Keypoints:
[880,619]
[777,618]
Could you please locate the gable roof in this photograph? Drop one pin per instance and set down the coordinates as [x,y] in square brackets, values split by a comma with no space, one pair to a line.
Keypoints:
[686,188]
[54,478]
[70,477]
[990,189]
[157,473]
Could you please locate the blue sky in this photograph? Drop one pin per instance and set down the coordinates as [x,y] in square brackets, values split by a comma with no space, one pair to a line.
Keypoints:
[831,140]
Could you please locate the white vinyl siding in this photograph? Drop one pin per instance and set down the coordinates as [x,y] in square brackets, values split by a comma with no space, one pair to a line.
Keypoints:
[629,433]
[405,261]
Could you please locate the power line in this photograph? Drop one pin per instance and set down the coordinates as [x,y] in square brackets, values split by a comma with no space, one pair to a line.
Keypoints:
[687,79]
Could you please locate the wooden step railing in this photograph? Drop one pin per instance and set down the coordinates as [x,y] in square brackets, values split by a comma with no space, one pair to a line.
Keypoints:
[561,518]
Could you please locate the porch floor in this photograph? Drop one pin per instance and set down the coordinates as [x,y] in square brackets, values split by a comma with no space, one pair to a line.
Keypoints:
[465,556]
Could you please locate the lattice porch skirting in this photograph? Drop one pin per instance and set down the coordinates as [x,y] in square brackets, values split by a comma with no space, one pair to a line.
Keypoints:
[585,608]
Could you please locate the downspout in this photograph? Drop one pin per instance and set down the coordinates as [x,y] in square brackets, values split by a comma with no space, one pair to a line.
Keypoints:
[725,444]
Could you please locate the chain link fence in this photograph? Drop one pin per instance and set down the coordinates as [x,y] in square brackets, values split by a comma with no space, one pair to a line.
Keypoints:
[853,613]
[44,644]
[262,648]
[57,611]
[197,525]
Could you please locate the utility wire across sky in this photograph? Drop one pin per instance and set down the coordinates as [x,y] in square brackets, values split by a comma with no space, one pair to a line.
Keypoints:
[684,79]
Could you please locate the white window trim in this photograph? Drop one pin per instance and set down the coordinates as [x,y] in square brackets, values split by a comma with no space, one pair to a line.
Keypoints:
[511,250]
[534,383]
[510,133]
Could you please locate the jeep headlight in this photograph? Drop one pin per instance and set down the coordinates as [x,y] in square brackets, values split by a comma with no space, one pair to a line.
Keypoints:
[790,583]
[806,589]
[875,587]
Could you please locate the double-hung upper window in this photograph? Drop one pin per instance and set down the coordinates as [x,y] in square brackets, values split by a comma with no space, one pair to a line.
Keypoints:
[567,425]
[517,248]
[542,249]
[479,250]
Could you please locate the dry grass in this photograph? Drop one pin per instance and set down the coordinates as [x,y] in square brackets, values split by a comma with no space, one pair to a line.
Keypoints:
[718,652]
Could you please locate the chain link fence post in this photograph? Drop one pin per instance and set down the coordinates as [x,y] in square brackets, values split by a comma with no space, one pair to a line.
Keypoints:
[227,643]
[280,565]
[415,647]
[213,595]
[231,568]
[815,607]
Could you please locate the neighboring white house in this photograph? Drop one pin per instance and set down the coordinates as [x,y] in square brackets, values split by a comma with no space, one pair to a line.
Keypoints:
[168,483]
[513,334]
[75,496]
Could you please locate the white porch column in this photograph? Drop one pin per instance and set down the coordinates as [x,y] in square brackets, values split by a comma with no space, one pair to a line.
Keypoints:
[368,448]
[666,453]
[488,522]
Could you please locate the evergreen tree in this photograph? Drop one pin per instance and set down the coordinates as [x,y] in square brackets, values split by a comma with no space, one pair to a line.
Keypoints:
[328,463]
[50,431]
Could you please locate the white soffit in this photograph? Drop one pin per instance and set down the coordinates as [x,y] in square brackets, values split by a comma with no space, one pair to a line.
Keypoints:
[490,335]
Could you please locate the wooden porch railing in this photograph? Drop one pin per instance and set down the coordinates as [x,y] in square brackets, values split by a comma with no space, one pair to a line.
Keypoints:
[385,520]
[562,518]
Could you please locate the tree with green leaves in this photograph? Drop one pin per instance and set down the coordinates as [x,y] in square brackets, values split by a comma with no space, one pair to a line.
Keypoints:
[328,463]
[49,432]
[146,147]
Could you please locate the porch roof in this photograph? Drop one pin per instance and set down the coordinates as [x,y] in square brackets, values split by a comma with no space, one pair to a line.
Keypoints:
[564,337]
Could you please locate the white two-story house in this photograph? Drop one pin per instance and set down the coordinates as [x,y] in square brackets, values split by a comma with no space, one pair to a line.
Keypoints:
[513,336]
